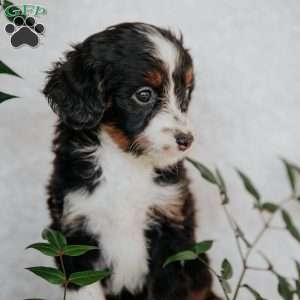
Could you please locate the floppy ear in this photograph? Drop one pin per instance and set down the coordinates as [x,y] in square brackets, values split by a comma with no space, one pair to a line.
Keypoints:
[74,91]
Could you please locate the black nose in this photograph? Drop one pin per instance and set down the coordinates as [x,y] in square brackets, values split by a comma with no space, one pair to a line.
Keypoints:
[184,140]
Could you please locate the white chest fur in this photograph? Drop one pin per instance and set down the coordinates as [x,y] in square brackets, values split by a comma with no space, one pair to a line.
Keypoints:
[117,212]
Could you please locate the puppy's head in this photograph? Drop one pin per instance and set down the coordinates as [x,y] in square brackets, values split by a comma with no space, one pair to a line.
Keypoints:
[133,81]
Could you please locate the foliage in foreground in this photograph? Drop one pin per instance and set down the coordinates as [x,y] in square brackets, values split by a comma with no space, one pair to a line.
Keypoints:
[56,245]
[4,68]
[288,288]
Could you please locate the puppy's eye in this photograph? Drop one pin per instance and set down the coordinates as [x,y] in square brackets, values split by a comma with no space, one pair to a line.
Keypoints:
[144,95]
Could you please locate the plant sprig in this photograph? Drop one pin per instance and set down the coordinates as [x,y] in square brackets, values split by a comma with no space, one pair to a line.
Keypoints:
[287,287]
[57,246]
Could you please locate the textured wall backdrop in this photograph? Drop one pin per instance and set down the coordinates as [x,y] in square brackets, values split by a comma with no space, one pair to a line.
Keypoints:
[246,110]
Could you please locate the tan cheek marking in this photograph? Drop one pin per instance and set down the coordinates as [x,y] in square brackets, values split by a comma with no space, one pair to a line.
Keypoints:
[189,76]
[117,135]
[154,78]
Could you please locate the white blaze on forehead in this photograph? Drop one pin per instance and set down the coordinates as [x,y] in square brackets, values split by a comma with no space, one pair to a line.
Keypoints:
[168,53]
[165,51]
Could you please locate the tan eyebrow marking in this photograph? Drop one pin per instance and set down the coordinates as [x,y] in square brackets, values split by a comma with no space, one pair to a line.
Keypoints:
[154,78]
[189,76]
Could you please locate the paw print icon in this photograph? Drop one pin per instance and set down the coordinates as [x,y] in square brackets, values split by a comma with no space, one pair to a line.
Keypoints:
[24,31]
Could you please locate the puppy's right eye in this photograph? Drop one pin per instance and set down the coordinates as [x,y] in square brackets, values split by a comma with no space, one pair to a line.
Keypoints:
[144,95]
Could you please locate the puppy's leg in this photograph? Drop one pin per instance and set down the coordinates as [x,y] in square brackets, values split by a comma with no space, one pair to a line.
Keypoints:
[90,292]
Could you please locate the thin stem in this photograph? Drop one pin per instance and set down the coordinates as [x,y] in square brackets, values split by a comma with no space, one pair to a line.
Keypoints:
[276,228]
[268,270]
[208,266]
[254,243]
[262,217]
[65,274]
[233,227]
[249,251]
[62,265]
[65,292]
[257,269]
[267,224]
[240,280]
[216,274]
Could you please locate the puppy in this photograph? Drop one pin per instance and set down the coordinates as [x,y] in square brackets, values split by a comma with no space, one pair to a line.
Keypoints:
[119,181]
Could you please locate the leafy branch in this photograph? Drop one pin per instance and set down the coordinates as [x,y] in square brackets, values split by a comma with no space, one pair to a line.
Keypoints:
[287,287]
[56,245]
[5,69]
[195,253]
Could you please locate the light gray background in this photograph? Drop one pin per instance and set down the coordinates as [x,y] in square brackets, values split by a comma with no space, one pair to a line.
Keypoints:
[246,110]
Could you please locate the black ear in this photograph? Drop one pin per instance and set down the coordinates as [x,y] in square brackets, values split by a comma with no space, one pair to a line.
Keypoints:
[74,90]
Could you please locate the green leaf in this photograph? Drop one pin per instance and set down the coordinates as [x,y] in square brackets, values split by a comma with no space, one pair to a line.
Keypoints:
[253,292]
[204,171]
[226,270]
[225,284]
[290,174]
[220,180]
[222,187]
[15,8]
[5,69]
[55,238]
[88,277]
[4,97]
[77,250]
[45,248]
[51,275]
[181,256]
[269,207]
[202,247]
[249,186]
[284,288]
[290,225]
[6,3]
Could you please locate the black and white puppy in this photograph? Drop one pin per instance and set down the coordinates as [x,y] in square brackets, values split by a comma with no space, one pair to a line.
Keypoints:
[119,181]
